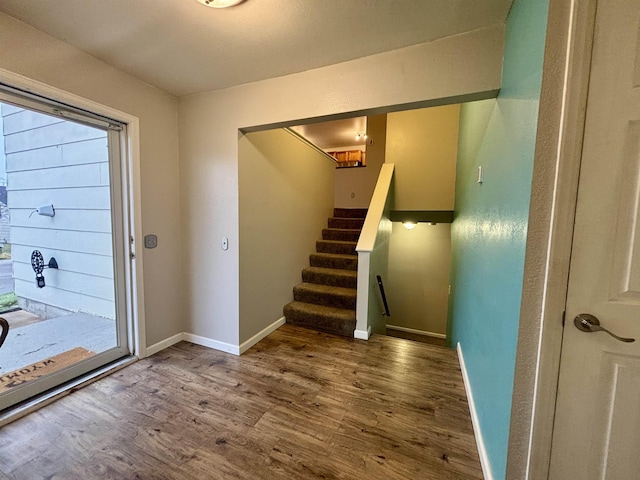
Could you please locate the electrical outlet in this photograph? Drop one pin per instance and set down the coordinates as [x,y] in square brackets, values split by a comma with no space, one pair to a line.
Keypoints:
[224,243]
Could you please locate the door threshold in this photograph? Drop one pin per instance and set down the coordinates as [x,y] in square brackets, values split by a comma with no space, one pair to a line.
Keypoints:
[14,413]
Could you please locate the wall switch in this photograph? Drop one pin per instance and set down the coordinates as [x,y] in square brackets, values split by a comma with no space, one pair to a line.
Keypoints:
[353,194]
[225,243]
[150,241]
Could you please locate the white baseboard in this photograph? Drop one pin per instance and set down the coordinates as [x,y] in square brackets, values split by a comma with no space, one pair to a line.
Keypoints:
[161,345]
[482,452]
[210,343]
[362,334]
[244,346]
[416,332]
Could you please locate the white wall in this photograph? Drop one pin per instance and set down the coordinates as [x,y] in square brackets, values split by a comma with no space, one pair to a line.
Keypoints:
[423,145]
[452,67]
[418,284]
[354,186]
[54,161]
[33,54]
[286,196]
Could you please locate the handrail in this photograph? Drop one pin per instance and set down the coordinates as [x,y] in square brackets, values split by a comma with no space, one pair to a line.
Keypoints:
[367,239]
[312,145]
[384,297]
[5,330]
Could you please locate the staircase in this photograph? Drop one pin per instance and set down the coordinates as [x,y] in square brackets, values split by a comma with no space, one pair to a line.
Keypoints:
[326,298]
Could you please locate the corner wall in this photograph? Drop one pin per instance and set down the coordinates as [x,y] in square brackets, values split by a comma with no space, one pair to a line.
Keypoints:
[286,196]
[450,68]
[490,227]
[38,56]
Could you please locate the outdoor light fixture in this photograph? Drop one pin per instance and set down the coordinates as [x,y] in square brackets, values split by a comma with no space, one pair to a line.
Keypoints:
[220,3]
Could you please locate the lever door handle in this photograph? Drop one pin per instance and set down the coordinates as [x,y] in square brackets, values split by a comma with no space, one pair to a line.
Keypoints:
[586,322]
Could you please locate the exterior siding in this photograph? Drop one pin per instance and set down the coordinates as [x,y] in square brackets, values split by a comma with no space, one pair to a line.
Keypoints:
[54,161]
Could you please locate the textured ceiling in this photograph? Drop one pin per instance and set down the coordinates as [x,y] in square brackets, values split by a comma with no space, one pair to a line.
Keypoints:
[184,47]
[334,134]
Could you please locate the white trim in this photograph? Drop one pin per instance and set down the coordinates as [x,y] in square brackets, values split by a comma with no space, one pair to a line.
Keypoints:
[244,346]
[211,343]
[166,343]
[416,332]
[482,452]
[362,334]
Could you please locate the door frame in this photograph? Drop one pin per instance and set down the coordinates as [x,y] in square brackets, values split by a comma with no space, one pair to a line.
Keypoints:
[131,192]
[561,119]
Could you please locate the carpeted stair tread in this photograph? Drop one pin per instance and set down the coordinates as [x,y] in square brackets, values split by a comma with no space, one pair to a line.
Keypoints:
[330,276]
[332,260]
[328,295]
[336,246]
[350,212]
[344,234]
[345,223]
[320,317]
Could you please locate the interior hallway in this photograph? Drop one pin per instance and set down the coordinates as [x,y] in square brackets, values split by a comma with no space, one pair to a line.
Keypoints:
[300,404]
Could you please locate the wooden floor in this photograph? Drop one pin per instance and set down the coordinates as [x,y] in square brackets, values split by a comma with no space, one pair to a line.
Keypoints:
[298,405]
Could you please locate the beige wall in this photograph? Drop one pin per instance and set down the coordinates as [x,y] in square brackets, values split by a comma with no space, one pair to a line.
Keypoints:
[33,54]
[466,65]
[418,286]
[285,197]
[354,186]
[423,145]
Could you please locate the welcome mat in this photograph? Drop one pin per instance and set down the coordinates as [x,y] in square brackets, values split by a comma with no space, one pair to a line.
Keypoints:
[43,367]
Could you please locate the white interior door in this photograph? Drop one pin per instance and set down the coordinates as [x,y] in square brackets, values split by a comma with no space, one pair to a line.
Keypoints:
[597,426]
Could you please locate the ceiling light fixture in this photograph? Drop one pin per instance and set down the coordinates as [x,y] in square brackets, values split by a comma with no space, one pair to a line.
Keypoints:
[361,136]
[409,225]
[220,3]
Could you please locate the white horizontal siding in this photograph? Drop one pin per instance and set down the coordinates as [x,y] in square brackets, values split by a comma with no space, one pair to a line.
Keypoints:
[88,151]
[68,241]
[6,109]
[90,198]
[92,175]
[28,120]
[76,220]
[56,134]
[81,283]
[89,264]
[51,295]
[54,161]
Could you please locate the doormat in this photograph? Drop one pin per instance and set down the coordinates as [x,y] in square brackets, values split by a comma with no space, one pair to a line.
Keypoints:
[43,367]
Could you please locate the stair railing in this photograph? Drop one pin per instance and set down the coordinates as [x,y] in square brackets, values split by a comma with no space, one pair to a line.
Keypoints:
[373,255]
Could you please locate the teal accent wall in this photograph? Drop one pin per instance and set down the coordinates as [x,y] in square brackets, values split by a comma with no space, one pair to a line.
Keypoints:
[490,227]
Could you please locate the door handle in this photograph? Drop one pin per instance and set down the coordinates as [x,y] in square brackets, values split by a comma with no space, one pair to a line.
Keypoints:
[586,322]
[5,330]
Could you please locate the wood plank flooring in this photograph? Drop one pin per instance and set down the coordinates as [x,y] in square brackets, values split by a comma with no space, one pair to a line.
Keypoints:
[298,405]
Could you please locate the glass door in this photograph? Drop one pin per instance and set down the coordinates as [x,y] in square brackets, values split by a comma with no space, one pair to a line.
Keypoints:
[62,255]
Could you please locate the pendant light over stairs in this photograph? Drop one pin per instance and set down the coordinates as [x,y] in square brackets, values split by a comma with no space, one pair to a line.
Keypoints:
[326,298]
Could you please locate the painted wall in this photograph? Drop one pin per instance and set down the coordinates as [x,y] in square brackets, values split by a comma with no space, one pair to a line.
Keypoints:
[285,198]
[418,286]
[423,145]
[490,226]
[54,161]
[354,186]
[466,65]
[33,54]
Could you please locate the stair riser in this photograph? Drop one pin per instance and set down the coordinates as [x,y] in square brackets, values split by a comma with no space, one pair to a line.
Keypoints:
[331,280]
[350,212]
[328,299]
[323,324]
[344,235]
[337,248]
[351,223]
[340,263]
